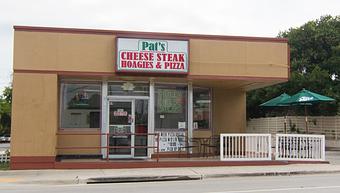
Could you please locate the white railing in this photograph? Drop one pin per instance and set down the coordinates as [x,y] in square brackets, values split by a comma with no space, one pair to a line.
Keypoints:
[245,147]
[4,158]
[300,147]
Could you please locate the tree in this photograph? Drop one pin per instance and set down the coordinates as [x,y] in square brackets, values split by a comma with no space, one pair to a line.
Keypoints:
[7,94]
[315,65]
[5,111]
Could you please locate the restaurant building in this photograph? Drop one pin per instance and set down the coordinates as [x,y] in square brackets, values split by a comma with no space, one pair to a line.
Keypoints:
[116,96]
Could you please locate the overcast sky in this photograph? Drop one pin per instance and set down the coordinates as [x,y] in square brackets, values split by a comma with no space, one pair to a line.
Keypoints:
[229,17]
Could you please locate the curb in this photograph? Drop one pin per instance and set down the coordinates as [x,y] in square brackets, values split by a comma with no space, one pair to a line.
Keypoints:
[53,182]
[197,177]
[268,174]
[140,179]
[99,180]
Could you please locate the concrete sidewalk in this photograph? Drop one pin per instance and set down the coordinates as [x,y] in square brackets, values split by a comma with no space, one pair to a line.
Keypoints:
[157,174]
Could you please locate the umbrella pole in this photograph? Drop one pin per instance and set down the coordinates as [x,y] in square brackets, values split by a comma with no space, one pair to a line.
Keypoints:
[285,124]
[285,120]
[306,120]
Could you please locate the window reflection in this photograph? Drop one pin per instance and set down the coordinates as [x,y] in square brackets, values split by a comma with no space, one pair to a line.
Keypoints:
[201,108]
[170,107]
[80,105]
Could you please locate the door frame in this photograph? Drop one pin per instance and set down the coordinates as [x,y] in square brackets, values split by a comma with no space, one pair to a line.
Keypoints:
[132,128]
[105,122]
[151,112]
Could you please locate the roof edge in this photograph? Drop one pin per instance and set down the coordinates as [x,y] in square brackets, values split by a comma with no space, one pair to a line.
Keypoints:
[147,34]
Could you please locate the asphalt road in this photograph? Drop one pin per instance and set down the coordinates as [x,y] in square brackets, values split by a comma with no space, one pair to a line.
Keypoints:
[277,184]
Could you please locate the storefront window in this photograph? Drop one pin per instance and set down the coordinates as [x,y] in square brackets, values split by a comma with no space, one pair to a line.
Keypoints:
[170,107]
[128,89]
[80,105]
[201,108]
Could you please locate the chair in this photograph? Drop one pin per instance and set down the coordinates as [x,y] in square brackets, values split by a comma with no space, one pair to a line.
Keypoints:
[205,143]
[212,146]
[189,144]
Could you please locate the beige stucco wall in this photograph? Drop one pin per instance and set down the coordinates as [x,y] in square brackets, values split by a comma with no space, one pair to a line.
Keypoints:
[96,53]
[34,114]
[63,51]
[229,111]
[81,140]
[238,58]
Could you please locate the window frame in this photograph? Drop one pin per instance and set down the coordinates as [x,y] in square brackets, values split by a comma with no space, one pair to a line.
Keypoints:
[131,81]
[161,83]
[80,129]
[210,108]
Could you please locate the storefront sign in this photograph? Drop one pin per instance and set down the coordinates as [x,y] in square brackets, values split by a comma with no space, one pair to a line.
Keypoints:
[120,113]
[152,56]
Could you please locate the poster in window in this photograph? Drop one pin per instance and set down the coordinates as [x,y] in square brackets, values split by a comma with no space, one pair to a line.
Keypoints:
[170,101]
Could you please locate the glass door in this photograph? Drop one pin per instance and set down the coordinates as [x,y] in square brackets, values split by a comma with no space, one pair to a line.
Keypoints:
[121,125]
[141,127]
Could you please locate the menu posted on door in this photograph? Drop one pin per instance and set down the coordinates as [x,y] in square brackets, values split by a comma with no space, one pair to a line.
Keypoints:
[152,56]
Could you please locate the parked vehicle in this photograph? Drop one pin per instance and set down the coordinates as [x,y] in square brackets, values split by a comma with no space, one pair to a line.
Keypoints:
[5,138]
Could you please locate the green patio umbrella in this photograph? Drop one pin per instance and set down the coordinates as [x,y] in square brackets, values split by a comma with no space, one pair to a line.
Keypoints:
[276,102]
[304,98]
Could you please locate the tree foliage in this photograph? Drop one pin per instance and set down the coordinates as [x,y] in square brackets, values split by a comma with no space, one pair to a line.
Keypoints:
[5,111]
[315,65]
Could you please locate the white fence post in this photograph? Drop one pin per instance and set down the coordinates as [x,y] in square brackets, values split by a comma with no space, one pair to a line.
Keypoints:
[4,158]
[221,147]
[295,147]
[245,147]
[323,146]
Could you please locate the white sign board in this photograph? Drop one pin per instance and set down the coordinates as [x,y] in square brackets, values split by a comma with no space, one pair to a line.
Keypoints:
[152,56]
[181,125]
[171,141]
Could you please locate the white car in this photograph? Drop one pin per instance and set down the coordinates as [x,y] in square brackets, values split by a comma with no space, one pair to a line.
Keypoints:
[5,138]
